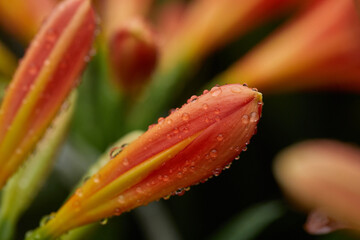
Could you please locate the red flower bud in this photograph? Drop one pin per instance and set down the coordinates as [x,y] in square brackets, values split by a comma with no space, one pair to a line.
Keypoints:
[192,144]
[133,53]
[45,77]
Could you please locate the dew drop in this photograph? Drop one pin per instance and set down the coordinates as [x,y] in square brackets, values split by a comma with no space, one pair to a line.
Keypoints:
[215,91]
[180,192]
[117,211]
[255,89]
[167,197]
[86,179]
[125,162]
[121,199]
[139,190]
[217,111]
[205,106]
[44,220]
[96,178]
[169,121]
[185,117]
[213,153]
[245,119]
[165,178]
[187,189]
[236,89]
[217,172]
[237,157]
[205,91]
[245,85]
[220,137]
[254,117]
[115,151]
[104,221]
[161,120]
[79,192]
[227,166]
[244,149]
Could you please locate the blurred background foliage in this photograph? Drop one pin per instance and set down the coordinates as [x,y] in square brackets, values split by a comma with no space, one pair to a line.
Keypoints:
[244,202]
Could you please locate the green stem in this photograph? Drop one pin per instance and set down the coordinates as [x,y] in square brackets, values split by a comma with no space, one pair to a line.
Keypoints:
[7,228]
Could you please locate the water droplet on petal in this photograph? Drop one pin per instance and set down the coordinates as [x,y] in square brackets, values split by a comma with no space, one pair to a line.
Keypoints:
[96,178]
[104,221]
[185,117]
[161,120]
[79,192]
[121,199]
[237,157]
[213,153]
[205,106]
[220,137]
[254,117]
[125,162]
[215,91]
[117,211]
[115,151]
[245,119]
[227,166]
[205,91]
[236,89]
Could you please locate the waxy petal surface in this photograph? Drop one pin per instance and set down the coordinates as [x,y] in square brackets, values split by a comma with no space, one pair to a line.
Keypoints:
[45,77]
[191,144]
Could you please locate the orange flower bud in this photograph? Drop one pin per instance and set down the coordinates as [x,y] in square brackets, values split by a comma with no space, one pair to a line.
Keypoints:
[133,53]
[192,144]
[43,80]
[323,175]
[319,48]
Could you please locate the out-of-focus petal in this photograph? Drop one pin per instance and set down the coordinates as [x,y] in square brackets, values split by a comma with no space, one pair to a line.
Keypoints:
[323,175]
[45,77]
[318,49]
[206,26]
[192,144]
[23,18]
[8,62]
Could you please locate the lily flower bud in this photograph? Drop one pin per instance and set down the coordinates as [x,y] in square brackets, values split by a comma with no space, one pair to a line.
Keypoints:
[191,145]
[46,75]
[318,49]
[323,175]
[133,52]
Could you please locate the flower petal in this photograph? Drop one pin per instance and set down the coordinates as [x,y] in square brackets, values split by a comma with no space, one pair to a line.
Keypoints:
[43,80]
